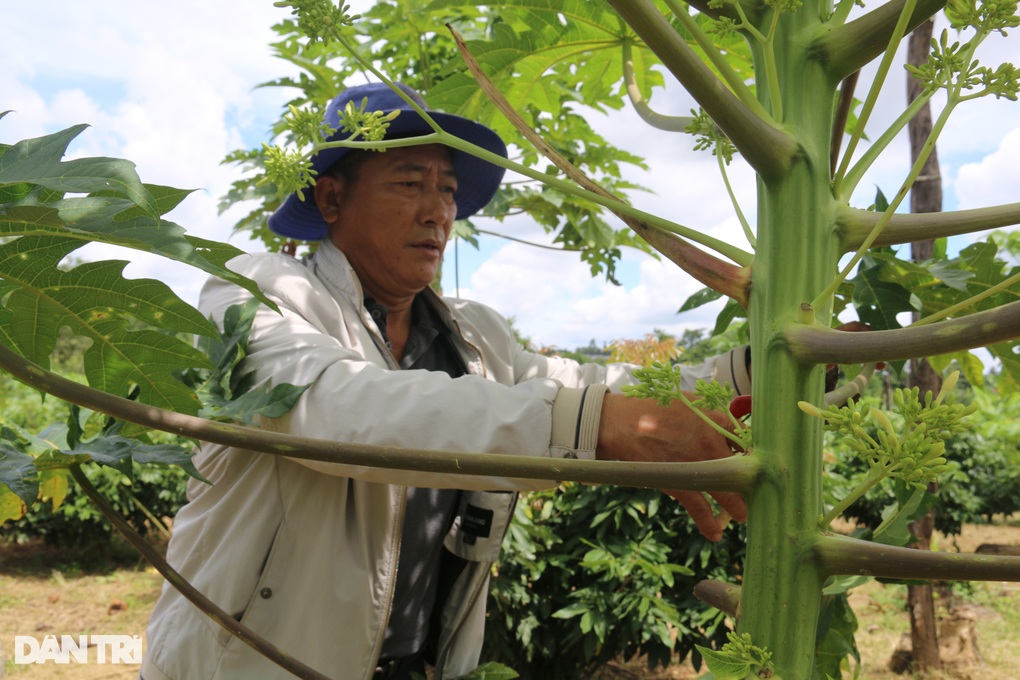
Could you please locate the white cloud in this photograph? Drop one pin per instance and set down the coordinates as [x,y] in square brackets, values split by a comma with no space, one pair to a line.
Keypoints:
[652,303]
[993,179]
[533,285]
[555,300]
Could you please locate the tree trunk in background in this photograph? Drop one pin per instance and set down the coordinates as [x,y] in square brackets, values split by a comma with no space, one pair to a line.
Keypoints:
[926,196]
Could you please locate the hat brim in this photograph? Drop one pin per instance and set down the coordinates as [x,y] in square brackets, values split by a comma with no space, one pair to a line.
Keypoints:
[477,179]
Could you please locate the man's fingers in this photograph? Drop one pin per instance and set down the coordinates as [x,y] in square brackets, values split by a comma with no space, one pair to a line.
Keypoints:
[732,503]
[700,511]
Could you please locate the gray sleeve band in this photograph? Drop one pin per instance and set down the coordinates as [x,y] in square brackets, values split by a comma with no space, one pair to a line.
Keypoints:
[575,421]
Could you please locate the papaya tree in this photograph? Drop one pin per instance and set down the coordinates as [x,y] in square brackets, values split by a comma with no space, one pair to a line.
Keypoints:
[791,279]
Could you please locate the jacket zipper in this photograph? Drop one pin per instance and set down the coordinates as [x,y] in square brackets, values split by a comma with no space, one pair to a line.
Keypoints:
[391,587]
[461,615]
[398,535]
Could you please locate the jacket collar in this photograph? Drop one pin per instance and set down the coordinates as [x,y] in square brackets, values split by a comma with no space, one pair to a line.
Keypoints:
[334,269]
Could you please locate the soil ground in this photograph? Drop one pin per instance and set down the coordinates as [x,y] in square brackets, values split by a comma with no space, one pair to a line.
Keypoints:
[43,591]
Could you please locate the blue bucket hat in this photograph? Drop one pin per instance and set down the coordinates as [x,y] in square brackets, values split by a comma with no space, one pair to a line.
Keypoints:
[477,180]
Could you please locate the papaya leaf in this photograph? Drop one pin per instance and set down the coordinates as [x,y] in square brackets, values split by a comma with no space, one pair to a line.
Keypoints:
[542,46]
[37,161]
[118,452]
[837,624]
[57,459]
[130,322]
[111,448]
[971,366]
[878,302]
[53,487]
[1009,355]
[731,311]
[53,438]
[738,659]
[269,401]
[18,473]
[702,297]
[723,666]
[950,275]
[93,300]
[935,286]
[35,467]
[12,507]
[896,518]
[119,209]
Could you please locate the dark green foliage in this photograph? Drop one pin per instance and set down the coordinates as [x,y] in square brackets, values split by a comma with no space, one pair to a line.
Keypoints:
[143,476]
[886,286]
[837,625]
[228,391]
[590,574]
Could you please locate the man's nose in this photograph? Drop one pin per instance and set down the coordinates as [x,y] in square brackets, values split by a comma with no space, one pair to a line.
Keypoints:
[437,205]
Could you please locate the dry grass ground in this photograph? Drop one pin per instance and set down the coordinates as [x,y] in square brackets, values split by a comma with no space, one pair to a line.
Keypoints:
[43,592]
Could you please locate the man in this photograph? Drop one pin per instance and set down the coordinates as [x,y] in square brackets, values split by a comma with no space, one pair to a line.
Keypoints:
[364,573]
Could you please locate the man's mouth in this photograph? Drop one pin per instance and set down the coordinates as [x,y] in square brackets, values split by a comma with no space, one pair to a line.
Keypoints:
[431,246]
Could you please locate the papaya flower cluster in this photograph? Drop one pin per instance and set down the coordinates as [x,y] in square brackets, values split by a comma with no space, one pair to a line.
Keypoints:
[914,452]
[290,169]
[320,20]
[952,66]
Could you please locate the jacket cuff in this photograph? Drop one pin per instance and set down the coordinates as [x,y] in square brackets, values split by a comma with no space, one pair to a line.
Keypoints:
[733,367]
[575,421]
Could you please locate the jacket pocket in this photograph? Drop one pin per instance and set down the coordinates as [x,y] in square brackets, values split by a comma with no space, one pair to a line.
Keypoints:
[481,521]
[262,593]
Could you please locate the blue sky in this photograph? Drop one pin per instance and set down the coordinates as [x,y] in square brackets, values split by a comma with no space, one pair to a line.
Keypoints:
[171,86]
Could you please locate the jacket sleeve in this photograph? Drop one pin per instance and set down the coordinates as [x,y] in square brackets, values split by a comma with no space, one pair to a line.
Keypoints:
[542,406]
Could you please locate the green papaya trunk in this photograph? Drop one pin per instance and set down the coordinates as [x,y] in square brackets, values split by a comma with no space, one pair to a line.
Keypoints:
[797,252]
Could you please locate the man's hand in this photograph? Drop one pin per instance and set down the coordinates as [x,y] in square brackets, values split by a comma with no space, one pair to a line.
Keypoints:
[640,430]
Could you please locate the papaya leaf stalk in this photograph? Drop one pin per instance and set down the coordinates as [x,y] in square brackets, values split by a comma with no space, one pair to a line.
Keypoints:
[728,474]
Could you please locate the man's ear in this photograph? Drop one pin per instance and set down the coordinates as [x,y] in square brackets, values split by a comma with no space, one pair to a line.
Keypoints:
[328,193]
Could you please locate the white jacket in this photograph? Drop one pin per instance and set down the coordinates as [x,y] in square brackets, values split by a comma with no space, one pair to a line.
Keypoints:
[305,552]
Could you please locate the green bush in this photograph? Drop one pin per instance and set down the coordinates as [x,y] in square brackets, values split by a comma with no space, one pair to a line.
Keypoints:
[983,479]
[77,523]
[158,491]
[590,574]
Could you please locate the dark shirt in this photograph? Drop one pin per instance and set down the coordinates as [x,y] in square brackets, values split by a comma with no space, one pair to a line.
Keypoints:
[428,512]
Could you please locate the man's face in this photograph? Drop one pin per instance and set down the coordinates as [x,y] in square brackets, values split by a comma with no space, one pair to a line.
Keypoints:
[393,221]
